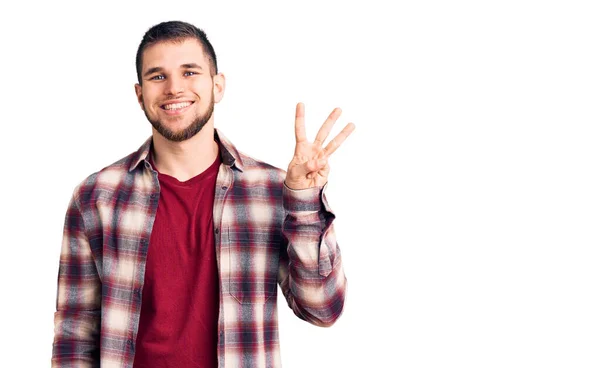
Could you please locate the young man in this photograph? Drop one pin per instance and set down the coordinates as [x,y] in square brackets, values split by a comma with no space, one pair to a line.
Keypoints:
[171,256]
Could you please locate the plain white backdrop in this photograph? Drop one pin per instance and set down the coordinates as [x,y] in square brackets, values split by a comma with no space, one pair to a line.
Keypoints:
[467,199]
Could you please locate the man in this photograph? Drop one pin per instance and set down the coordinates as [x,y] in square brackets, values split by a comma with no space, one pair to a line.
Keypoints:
[171,256]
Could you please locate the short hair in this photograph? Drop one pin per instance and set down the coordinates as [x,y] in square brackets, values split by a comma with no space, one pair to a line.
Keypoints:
[175,31]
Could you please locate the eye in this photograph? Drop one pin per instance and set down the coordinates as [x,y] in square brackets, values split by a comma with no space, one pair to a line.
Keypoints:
[187,74]
[158,77]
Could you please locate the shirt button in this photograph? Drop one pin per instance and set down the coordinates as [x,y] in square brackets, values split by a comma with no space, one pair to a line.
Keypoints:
[138,292]
[223,187]
[130,343]
[154,195]
[216,230]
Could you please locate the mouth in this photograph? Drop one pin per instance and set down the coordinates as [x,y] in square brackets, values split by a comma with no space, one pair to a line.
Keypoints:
[176,108]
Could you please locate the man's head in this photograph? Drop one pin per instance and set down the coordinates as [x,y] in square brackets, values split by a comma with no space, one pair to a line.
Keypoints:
[175,31]
[178,79]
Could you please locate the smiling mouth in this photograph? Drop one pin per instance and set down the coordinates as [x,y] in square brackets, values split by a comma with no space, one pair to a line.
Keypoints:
[176,109]
[176,106]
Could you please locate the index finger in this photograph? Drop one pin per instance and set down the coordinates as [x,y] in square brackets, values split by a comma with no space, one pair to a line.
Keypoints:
[300,129]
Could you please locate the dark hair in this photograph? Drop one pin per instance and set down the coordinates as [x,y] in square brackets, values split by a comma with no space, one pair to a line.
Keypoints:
[175,31]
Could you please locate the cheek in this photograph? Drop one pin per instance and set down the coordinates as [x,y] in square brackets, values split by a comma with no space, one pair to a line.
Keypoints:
[149,98]
[204,88]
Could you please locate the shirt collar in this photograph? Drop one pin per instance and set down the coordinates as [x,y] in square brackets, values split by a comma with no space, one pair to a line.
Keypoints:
[229,154]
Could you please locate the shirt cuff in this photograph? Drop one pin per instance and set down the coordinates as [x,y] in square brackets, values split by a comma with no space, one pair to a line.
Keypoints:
[302,200]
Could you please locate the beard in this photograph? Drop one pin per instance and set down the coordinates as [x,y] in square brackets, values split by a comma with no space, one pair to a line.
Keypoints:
[191,130]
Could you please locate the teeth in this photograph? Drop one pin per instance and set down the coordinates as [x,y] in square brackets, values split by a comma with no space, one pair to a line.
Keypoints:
[177,106]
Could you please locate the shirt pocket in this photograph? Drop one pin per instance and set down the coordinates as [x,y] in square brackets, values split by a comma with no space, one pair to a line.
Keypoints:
[253,263]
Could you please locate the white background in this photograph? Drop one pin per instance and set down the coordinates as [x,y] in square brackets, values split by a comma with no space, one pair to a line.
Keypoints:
[467,199]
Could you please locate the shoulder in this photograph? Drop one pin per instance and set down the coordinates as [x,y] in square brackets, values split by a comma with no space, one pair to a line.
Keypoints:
[261,170]
[250,168]
[106,180]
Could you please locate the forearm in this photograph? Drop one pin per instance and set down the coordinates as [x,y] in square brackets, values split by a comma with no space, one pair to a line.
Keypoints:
[77,318]
[315,283]
[76,339]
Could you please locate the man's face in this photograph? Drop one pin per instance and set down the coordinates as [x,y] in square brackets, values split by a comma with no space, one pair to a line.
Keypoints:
[178,92]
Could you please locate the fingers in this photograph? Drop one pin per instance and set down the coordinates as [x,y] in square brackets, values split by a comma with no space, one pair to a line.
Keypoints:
[327,125]
[324,131]
[315,164]
[336,142]
[300,129]
[322,169]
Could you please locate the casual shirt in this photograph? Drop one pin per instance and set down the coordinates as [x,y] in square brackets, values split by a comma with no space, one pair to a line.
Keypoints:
[265,234]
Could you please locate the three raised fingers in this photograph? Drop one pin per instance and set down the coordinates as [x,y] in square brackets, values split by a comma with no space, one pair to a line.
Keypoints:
[324,131]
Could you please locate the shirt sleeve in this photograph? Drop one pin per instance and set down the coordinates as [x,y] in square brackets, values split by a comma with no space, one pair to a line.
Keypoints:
[77,317]
[311,275]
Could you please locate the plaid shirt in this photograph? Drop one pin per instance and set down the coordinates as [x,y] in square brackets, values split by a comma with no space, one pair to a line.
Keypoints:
[265,234]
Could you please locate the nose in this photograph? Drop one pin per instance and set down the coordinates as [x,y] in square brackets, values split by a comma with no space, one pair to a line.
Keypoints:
[174,86]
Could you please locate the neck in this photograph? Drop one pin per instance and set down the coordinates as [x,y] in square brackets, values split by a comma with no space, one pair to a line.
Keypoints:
[184,160]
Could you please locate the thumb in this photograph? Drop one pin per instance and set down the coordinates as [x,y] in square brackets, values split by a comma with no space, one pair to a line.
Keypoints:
[314,165]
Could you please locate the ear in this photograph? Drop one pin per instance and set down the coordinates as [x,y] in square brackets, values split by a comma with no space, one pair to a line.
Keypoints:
[138,92]
[219,86]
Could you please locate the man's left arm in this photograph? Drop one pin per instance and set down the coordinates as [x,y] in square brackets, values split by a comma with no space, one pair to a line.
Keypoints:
[311,275]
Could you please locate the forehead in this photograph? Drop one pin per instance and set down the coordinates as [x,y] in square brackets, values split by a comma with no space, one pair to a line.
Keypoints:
[173,53]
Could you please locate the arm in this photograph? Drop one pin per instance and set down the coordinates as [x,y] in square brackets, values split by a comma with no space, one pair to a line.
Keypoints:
[77,317]
[310,272]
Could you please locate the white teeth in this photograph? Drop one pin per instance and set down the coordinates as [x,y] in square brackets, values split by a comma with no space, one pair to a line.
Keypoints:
[177,106]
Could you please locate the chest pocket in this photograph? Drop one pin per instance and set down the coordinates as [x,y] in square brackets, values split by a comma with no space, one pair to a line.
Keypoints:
[254,262]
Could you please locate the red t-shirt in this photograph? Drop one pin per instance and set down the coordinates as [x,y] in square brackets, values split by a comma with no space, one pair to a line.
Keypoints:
[180,299]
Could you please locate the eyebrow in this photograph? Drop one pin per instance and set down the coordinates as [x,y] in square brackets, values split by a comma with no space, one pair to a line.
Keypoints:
[191,66]
[184,66]
[153,70]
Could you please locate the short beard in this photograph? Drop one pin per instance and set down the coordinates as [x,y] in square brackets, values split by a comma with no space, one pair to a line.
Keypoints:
[187,133]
